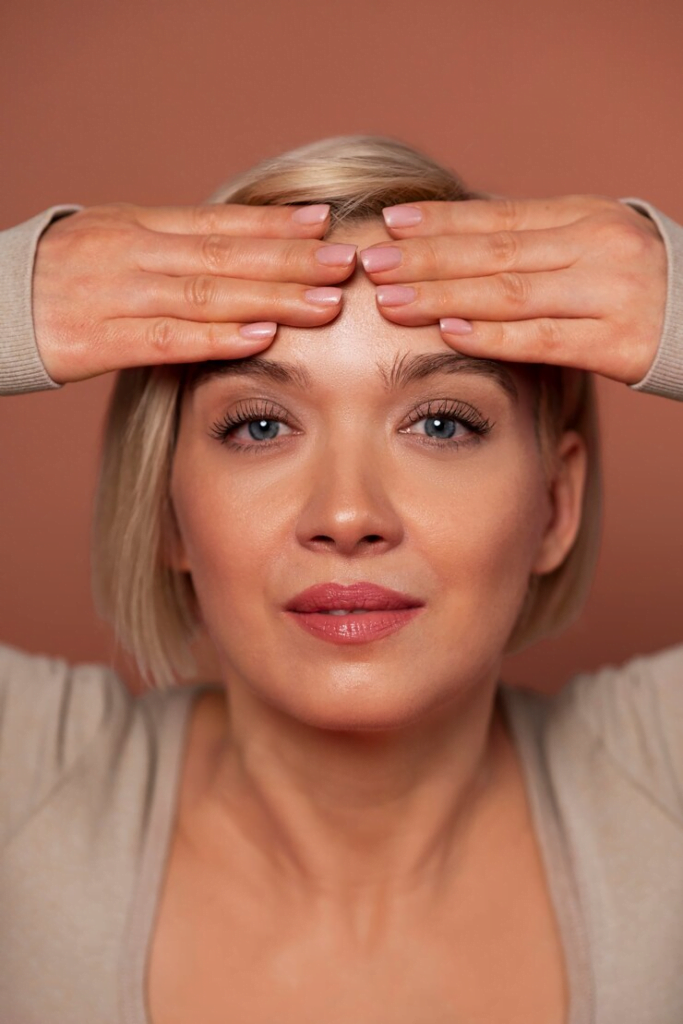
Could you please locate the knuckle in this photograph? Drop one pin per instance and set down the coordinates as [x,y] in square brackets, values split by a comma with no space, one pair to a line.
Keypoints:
[291,253]
[427,253]
[205,219]
[507,213]
[515,289]
[161,335]
[199,291]
[504,247]
[548,334]
[213,338]
[215,251]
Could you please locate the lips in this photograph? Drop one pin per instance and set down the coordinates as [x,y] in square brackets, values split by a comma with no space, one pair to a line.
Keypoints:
[326,597]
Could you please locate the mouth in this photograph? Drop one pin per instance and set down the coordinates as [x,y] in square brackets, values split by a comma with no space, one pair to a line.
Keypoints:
[355,598]
[358,613]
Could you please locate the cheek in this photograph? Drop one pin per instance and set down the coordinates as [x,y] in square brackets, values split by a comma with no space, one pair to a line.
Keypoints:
[481,535]
[231,531]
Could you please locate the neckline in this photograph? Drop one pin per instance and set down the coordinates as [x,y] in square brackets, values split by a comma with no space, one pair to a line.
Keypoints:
[557,861]
[523,710]
[171,733]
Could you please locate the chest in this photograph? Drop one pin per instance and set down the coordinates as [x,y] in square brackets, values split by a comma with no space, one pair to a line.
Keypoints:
[494,958]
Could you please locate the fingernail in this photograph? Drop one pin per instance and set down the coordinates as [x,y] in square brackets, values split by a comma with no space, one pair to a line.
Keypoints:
[313,214]
[383,258]
[257,332]
[324,296]
[336,255]
[402,216]
[453,325]
[395,295]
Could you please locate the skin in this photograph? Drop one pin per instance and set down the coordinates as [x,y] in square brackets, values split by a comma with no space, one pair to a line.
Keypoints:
[349,776]
[364,806]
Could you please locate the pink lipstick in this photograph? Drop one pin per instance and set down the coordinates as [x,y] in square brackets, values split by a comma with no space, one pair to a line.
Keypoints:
[354,614]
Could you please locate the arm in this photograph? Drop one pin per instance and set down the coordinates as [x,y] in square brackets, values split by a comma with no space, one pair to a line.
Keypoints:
[120,286]
[665,376]
[21,368]
[581,281]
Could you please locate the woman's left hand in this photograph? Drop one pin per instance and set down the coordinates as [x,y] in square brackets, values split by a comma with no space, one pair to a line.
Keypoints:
[577,280]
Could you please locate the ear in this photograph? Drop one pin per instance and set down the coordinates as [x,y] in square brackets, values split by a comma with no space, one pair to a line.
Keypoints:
[565,494]
[175,555]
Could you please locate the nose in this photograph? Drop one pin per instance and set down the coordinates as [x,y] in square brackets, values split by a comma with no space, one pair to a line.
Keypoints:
[347,507]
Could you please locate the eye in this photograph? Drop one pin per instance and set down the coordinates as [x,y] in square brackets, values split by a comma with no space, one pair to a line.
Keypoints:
[259,430]
[442,428]
[447,420]
[251,425]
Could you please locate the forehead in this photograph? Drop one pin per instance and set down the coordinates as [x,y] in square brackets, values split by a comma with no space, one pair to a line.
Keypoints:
[360,347]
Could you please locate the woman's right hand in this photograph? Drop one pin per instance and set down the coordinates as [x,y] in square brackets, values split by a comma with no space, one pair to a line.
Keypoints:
[122,285]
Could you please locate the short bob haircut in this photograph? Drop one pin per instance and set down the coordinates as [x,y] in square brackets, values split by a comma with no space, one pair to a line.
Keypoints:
[153,607]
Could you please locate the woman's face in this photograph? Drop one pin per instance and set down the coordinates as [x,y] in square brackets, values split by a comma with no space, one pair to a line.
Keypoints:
[359,465]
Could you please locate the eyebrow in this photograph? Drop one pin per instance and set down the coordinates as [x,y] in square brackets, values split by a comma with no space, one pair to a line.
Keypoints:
[405,370]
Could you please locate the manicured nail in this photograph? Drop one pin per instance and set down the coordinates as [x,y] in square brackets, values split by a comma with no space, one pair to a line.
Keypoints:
[313,214]
[336,255]
[384,258]
[402,216]
[324,296]
[258,332]
[453,325]
[395,295]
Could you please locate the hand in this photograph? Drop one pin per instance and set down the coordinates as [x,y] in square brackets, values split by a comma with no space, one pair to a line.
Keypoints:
[575,280]
[124,285]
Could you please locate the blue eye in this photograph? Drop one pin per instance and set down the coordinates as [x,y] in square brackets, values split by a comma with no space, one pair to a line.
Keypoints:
[449,420]
[262,430]
[439,427]
[443,419]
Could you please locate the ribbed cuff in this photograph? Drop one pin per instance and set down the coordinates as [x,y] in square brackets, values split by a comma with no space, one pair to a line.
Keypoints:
[665,376]
[21,368]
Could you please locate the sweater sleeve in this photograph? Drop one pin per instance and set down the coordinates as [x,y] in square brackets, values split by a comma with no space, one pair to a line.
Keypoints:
[21,368]
[665,376]
[51,715]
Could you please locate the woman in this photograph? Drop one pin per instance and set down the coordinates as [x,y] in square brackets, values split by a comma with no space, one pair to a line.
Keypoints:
[359,822]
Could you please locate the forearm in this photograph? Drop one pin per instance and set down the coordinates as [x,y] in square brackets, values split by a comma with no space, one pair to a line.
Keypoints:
[21,368]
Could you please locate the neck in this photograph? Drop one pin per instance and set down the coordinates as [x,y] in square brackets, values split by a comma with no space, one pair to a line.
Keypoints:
[347,815]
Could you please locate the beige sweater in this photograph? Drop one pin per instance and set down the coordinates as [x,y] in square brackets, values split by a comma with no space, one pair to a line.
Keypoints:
[88,785]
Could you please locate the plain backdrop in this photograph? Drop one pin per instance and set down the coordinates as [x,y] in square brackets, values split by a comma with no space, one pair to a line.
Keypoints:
[158,102]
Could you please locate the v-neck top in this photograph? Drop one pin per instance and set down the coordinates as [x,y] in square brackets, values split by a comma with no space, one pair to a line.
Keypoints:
[89,784]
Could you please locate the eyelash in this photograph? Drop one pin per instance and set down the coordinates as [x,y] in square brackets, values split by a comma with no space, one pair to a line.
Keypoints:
[248,412]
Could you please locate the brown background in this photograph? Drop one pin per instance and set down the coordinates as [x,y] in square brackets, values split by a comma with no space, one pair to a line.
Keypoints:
[158,102]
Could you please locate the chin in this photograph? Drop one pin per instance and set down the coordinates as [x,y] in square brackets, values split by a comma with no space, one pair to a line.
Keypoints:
[359,699]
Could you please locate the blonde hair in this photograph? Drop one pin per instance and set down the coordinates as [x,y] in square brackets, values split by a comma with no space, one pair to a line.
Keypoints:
[153,607]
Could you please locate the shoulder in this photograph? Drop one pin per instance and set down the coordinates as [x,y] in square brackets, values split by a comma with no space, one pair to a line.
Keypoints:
[55,720]
[629,716]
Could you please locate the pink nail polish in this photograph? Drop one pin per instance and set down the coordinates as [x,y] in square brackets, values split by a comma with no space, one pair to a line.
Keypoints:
[324,296]
[383,258]
[401,216]
[453,325]
[258,332]
[313,214]
[336,255]
[395,295]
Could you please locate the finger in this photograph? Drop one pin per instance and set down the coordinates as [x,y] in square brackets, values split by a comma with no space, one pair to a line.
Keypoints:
[509,296]
[309,221]
[304,260]
[208,298]
[130,341]
[481,215]
[434,258]
[556,341]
